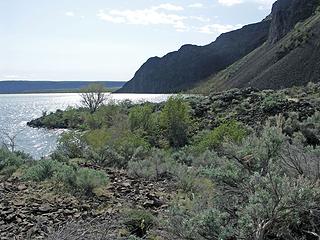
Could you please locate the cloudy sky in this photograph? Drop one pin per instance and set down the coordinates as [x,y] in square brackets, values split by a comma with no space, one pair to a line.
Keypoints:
[107,39]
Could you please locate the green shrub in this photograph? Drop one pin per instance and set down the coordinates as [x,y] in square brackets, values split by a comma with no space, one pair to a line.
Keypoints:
[272,101]
[175,120]
[107,114]
[76,180]
[71,144]
[88,179]
[157,166]
[231,130]
[97,139]
[106,157]
[130,146]
[10,162]
[140,118]
[263,189]
[138,221]
[67,175]
[42,170]
[112,148]
[185,177]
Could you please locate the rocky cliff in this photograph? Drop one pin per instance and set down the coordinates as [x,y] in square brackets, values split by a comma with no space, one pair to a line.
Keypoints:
[182,69]
[281,51]
[290,57]
[285,15]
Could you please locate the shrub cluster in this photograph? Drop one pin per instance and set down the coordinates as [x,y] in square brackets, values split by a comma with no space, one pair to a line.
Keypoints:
[228,131]
[75,179]
[138,221]
[11,161]
[265,187]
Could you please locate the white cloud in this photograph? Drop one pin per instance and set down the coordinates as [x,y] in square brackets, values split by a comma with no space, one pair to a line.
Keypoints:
[70,14]
[262,3]
[230,3]
[196,5]
[218,28]
[163,15]
[200,19]
[169,7]
[149,16]
[15,77]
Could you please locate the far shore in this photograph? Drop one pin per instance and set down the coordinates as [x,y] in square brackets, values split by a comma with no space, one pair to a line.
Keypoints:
[111,90]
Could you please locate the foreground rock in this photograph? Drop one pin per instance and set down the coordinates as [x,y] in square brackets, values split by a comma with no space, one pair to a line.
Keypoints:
[37,211]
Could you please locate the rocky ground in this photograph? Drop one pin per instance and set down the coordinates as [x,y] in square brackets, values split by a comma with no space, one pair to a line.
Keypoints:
[254,107]
[36,211]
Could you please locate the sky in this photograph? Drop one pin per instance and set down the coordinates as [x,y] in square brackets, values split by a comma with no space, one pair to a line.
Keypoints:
[108,40]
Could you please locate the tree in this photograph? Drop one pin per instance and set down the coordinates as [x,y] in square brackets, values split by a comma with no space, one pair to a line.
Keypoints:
[9,140]
[93,96]
[175,119]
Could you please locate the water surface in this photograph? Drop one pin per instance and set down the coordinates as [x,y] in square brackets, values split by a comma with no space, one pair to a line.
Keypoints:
[17,109]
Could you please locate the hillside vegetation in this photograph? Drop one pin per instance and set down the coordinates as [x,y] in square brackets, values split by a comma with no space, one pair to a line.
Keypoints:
[241,164]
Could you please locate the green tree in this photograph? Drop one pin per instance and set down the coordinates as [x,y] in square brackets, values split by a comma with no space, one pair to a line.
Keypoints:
[140,118]
[175,119]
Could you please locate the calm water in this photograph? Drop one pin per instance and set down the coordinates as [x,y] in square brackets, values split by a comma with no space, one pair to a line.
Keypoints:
[17,109]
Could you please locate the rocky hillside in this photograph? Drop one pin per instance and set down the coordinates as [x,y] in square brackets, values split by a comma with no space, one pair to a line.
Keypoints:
[290,57]
[181,70]
[281,51]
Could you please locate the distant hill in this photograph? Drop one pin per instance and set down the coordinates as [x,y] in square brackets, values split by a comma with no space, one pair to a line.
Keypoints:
[183,69]
[51,86]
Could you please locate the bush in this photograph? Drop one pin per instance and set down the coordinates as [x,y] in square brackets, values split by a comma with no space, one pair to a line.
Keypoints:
[278,206]
[97,139]
[108,147]
[76,180]
[10,162]
[142,119]
[71,144]
[232,131]
[67,175]
[106,157]
[42,170]
[157,166]
[138,222]
[130,146]
[272,101]
[175,120]
[105,116]
[263,189]
[88,179]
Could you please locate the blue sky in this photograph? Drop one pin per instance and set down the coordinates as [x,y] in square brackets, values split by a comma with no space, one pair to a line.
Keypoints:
[108,40]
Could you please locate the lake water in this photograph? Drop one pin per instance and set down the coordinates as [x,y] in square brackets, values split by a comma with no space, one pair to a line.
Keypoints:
[17,109]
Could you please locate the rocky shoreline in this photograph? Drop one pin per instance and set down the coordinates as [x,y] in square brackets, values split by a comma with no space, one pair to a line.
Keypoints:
[250,106]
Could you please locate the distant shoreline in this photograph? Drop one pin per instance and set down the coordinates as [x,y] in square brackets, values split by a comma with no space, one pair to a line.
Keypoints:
[33,87]
[111,90]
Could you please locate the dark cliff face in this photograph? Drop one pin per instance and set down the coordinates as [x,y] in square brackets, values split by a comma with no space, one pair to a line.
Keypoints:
[285,15]
[183,69]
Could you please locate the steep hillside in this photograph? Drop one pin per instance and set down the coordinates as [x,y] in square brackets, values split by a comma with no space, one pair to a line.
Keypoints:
[290,57]
[181,70]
